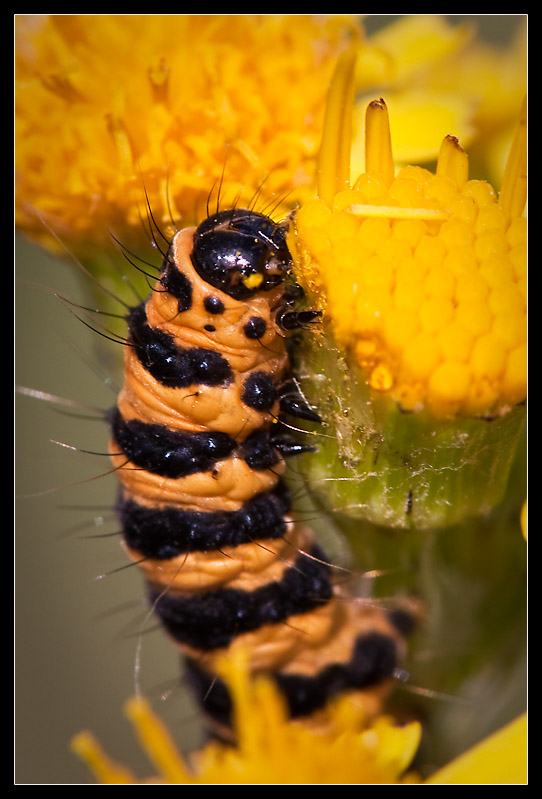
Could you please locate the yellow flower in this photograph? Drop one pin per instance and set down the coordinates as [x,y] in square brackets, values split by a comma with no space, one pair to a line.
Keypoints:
[422,275]
[269,749]
[523,519]
[440,77]
[109,104]
[273,751]
[499,760]
[421,278]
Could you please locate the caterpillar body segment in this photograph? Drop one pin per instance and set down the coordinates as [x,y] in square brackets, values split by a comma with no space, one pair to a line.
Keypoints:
[200,455]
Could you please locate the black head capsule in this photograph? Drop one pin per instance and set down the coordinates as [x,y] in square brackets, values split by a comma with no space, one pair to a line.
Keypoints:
[241,252]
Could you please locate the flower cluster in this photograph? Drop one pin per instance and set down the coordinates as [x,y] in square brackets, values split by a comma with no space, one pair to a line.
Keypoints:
[424,277]
[109,107]
[269,749]
[272,751]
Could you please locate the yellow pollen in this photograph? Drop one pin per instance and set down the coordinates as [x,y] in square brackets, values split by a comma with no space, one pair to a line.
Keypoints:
[381,378]
[253,281]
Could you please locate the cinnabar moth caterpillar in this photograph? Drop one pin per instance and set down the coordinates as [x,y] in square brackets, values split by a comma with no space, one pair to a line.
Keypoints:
[199,451]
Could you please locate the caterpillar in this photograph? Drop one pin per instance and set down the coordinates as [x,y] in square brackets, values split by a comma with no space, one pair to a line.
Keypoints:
[199,443]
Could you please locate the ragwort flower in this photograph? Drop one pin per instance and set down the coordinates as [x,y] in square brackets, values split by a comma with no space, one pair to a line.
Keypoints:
[420,369]
[501,759]
[273,751]
[269,749]
[111,106]
[107,105]
[438,77]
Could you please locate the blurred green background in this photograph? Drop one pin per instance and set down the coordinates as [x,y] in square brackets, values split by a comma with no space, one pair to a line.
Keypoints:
[76,632]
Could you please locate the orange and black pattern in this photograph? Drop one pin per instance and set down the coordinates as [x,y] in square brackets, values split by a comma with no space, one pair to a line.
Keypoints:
[200,449]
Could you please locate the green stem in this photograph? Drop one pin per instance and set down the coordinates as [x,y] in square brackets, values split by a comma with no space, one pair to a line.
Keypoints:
[404,470]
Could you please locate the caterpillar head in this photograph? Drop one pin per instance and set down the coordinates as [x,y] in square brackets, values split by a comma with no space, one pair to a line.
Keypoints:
[240,252]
